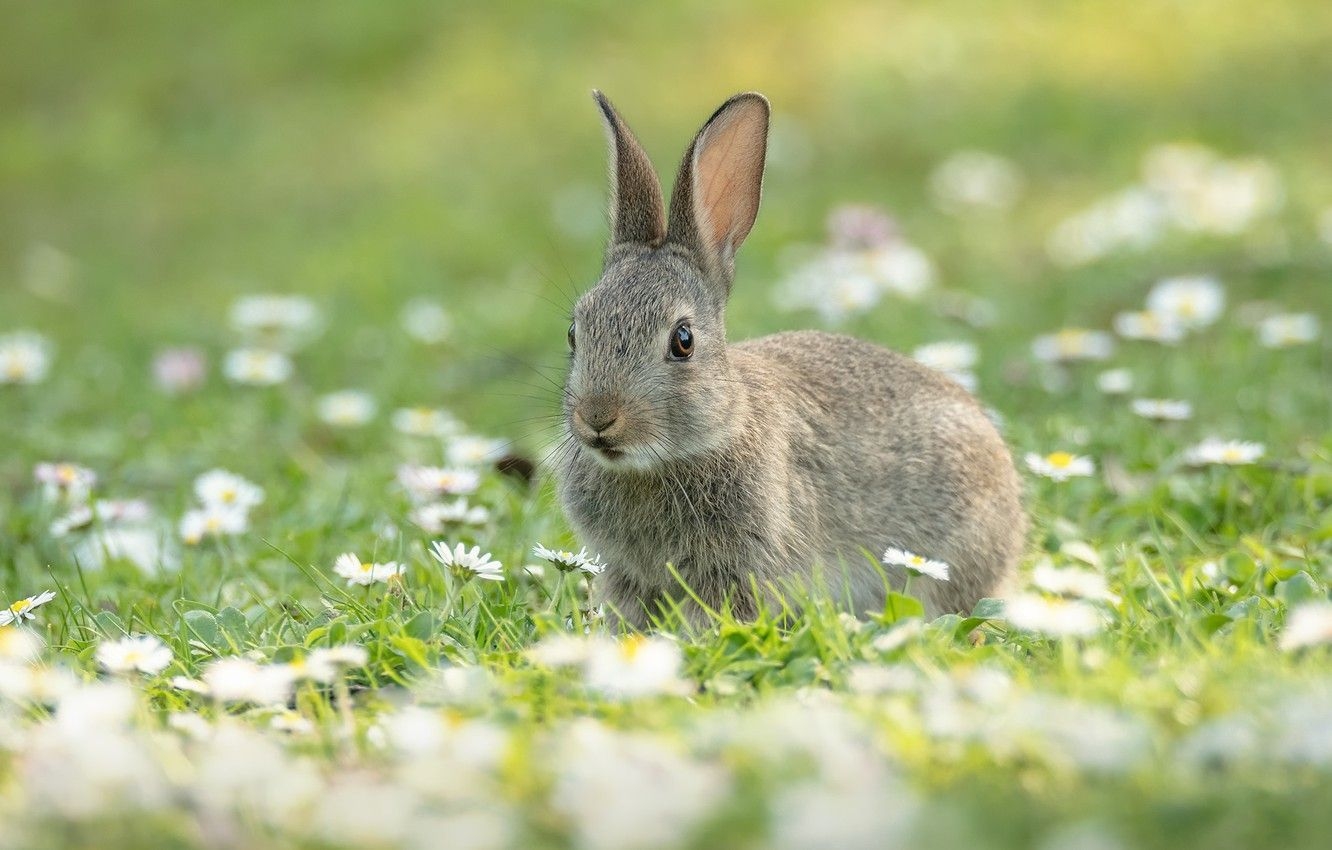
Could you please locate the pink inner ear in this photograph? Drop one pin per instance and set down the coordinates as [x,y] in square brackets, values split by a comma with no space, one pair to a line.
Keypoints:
[728,176]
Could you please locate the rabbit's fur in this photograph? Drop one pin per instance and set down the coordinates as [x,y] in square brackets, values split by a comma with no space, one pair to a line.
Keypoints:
[794,458]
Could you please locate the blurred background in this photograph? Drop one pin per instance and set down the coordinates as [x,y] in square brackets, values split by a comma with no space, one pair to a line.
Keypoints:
[159,160]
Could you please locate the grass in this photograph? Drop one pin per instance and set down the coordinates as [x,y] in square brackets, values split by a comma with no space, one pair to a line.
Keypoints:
[157,162]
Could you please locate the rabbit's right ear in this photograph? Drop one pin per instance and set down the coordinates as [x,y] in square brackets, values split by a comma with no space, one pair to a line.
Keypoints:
[636,210]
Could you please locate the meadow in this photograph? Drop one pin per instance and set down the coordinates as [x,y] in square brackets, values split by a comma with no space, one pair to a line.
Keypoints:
[284,292]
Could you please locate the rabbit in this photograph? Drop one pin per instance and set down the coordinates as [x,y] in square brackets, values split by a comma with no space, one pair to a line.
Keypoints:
[793,459]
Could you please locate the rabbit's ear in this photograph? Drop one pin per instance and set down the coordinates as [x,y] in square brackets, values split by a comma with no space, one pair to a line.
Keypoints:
[636,210]
[717,193]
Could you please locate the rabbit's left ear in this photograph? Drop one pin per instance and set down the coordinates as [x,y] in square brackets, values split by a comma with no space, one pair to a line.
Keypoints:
[716,197]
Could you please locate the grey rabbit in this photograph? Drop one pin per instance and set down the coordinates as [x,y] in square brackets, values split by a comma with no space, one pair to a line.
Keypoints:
[792,459]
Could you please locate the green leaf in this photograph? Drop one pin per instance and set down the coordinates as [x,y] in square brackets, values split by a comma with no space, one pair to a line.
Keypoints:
[109,624]
[901,607]
[423,626]
[234,624]
[203,627]
[1300,587]
[1212,623]
[412,649]
[989,609]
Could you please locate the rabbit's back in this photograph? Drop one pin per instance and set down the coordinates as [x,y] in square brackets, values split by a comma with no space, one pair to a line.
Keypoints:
[882,451]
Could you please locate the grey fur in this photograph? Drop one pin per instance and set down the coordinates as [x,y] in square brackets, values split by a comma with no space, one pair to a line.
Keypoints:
[778,461]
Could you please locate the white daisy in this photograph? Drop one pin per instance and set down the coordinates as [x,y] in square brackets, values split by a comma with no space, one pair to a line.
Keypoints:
[467,564]
[426,321]
[238,679]
[433,517]
[1072,581]
[1115,381]
[178,370]
[1163,409]
[1308,624]
[424,422]
[365,573]
[568,561]
[21,645]
[1286,329]
[212,521]
[269,315]
[425,483]
[220,488]
[256,367]
[1070,344]
[1148,325]
[22,610]
[635,666]
[1227,452]
[916,564]
[347,408]
[141,653]
[1060,466]
[1051,617]
[470,451]
[975,180]
[65,481]
[900,268]
[25,357]
[948,356]
[1189,302]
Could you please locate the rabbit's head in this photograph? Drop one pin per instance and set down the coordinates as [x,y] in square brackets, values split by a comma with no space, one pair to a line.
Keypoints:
[649,380]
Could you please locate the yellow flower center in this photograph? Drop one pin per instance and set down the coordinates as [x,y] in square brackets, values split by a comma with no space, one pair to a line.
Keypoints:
[631,646]
[213,524]
[20,606]
[1059,460]
[228,494]
[916,560]
[1231,454]
[367,567]
[1187,306]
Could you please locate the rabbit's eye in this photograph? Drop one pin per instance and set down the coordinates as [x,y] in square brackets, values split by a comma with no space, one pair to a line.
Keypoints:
[571,337]
[682,342]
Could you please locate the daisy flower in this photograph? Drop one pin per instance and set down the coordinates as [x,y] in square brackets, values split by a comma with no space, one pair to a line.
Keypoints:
[568,561]
[1060,466]
[178,370]
[256,367]
[856,227]
[1071,581]
[424,422]
[1149,326]
[916,564]
[1071,344]
[636,666]
[433,517]
[474,451]
[467,564]
[1115,381]
[947,355]
[141,653]
[242,680]
[212,521]
[365,573]
[1189,302]
[25,357]
[220,488]
[1287,329]
[270,315]
[1162,409]
[22,610]
[1030,612]
[1227,452]
[346,409]
[67,481]
[976,180]
[426,321]
[424,483]
[1309,624]
[900,268]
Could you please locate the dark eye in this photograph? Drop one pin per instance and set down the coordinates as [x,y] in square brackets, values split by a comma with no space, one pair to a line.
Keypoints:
[682,342]
[571,337]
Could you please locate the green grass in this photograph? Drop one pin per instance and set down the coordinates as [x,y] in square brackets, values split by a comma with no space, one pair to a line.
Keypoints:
[367,154]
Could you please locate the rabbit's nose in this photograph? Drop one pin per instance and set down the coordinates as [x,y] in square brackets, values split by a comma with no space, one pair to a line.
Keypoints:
[598,414]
